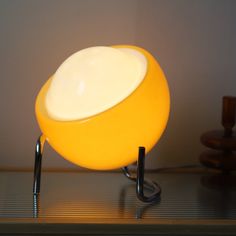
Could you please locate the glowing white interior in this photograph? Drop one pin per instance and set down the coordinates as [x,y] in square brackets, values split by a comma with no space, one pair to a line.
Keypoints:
[94,80]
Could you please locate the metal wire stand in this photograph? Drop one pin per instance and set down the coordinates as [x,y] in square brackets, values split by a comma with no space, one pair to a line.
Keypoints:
[141,183]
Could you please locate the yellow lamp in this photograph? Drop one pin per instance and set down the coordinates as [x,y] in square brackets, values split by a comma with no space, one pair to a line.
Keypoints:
[109,140]
[104,131]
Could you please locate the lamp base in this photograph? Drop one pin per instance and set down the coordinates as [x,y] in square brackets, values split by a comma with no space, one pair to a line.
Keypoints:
[141,183]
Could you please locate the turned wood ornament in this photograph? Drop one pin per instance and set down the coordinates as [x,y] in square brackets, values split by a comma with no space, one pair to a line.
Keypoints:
[222,143]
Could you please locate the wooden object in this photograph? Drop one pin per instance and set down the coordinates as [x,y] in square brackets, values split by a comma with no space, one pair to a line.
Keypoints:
[223,142]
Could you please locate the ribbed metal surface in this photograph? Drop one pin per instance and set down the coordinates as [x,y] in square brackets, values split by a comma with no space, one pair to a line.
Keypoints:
[112,196]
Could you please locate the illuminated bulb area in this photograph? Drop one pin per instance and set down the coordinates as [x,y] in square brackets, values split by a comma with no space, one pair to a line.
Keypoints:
[94,80]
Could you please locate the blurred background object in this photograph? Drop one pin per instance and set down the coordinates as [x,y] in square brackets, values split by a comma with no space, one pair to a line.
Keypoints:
[223,142]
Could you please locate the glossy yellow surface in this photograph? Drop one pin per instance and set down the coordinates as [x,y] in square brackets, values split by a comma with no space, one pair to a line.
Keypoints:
[110,140]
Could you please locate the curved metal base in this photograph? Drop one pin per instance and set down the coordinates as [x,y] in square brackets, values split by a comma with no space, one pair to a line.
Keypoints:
[141,183]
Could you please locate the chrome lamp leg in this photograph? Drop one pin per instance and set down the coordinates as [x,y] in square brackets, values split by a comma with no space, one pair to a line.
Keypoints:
[141,183]
[38,164]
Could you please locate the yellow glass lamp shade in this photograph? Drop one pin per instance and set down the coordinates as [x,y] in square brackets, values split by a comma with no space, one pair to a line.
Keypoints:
[104,131]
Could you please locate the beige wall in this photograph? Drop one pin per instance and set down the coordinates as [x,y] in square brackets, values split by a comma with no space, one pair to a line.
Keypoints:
[194,41]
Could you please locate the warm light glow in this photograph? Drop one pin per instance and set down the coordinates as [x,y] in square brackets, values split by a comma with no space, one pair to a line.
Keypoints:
[94,80]
[109,138]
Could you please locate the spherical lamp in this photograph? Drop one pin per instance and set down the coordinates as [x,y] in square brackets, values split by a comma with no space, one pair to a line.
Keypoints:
[102,104]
